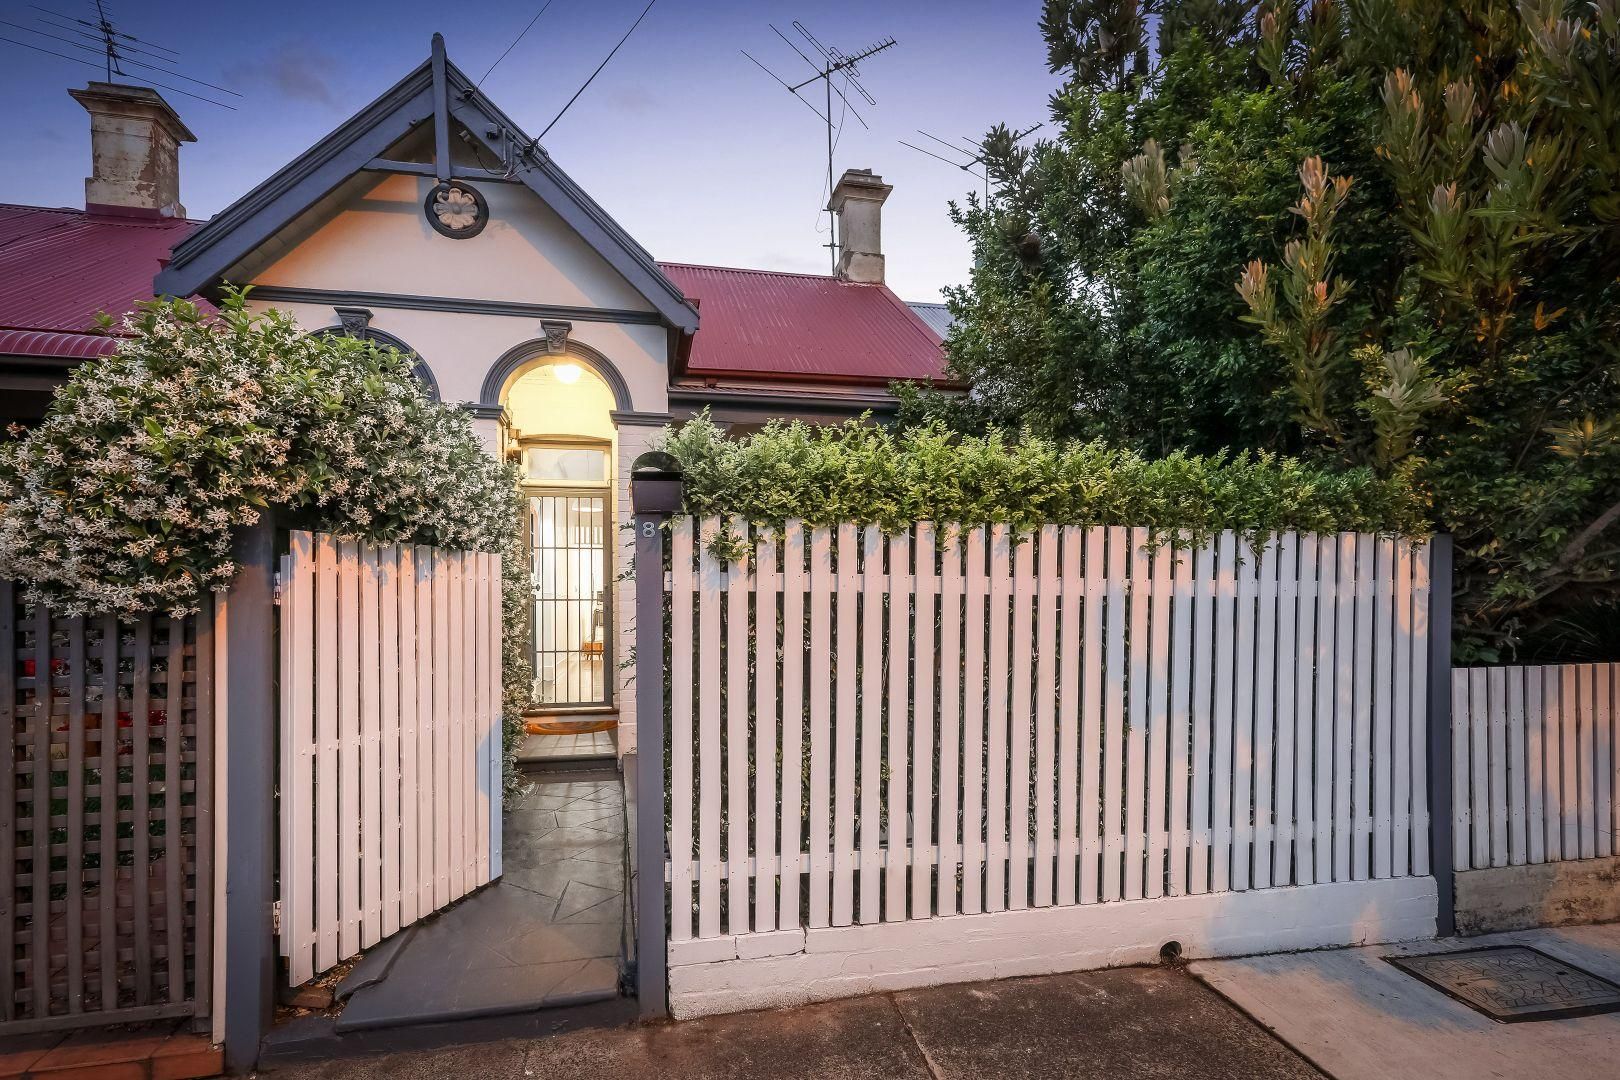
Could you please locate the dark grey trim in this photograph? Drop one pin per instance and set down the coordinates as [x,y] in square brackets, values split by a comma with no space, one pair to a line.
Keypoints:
[518,355]
[1440,793]
[441,111]
[424,168]
[854,406]
[350,316]
[249,793]
[202,259]
[652,419]
[652,946]
[467,306]
[570,202]
[484,410]
[199,262]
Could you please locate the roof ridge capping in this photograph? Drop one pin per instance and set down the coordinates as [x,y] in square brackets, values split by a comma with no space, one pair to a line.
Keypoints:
[199,262]
[831,279]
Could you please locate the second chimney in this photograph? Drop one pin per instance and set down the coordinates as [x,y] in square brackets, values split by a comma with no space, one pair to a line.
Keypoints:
[858,202]
[135,139]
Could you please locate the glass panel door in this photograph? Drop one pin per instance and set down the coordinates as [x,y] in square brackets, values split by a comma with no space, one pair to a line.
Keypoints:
[568,533]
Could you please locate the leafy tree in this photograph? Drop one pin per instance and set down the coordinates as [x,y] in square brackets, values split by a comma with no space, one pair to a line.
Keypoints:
[1379,233]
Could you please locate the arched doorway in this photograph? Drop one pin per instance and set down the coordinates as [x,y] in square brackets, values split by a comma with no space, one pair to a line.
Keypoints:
[560,432]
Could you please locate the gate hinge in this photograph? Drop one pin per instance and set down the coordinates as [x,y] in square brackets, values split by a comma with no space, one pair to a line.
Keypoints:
[275,588]
[275,916]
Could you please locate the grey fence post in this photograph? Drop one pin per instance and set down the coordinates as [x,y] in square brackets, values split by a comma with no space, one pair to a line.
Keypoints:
[1441,810]
[249,797]
[655,493]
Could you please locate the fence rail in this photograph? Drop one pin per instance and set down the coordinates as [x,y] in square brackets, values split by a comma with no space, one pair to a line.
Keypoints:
[391,740]
[873,728]
[105,817]
[1534,764]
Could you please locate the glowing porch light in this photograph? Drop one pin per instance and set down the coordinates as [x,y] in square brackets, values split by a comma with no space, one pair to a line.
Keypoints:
[567,373]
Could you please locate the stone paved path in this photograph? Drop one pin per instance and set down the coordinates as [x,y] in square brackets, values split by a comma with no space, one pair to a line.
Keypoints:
[547,934]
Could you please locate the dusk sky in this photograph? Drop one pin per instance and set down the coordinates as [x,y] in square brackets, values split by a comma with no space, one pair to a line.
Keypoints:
[690,146]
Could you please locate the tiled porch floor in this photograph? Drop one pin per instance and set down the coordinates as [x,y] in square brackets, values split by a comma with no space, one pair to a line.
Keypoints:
[547,748]
[547,933]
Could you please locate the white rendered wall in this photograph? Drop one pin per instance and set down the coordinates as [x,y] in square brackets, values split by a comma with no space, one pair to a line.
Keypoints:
[381,243]
[789,967]
[460,348]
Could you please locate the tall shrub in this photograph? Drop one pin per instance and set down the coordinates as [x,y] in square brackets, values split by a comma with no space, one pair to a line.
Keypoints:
[1416,201]
[124,498]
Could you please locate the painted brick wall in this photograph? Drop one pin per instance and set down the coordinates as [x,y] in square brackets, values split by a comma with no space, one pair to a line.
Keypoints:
[753,971]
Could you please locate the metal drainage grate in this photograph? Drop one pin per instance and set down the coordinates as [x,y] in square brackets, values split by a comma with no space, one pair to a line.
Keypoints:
[1513,983]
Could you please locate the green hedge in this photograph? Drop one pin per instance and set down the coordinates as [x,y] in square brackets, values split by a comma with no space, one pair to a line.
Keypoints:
[868,474]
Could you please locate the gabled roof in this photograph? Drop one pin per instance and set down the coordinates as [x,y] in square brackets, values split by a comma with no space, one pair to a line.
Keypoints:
[60,267]
[773,326]
[243,227]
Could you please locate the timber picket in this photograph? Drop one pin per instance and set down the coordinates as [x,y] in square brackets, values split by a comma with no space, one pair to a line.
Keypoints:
[765,687]
[1045,720]
[390,759]
[1535,750]
[789,911]
[978,720]
[737,703]
[1072,584]
[950,733]
[819,675]
[681,784]
[845,650]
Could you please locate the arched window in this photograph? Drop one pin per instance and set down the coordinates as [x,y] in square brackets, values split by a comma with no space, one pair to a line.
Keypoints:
[560,431]
[356,322]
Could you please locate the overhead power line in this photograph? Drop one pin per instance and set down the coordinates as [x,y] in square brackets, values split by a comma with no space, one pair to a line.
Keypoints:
[599,68]
[515,41]
[91,63]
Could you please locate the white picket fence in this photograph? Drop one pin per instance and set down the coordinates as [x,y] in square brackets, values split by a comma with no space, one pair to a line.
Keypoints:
[1535,771]
[868,728]
[391,740]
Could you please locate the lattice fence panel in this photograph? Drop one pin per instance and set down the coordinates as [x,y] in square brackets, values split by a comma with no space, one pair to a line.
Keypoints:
[105,817]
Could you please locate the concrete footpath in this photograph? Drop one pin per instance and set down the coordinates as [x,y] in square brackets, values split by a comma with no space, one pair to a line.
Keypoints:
[1361,1018]
[1138,1023]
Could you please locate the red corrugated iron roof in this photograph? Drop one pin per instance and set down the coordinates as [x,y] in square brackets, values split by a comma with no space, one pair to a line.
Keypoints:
[803,327]
[59,267]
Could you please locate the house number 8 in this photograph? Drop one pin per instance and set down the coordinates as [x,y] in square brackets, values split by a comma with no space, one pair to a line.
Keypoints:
[648,529]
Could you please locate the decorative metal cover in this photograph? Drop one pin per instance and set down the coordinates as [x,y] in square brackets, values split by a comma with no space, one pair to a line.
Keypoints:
[1511,983]
[457,210]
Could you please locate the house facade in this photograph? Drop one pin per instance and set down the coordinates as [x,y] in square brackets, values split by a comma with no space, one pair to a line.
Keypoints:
[432,222]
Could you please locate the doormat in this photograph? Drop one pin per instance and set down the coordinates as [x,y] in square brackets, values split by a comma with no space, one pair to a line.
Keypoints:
[1513,983]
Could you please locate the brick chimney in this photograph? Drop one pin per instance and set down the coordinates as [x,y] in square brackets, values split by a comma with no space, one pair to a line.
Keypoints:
[858,202]
[135,139]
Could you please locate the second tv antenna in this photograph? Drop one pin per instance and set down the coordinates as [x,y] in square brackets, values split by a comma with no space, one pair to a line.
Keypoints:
[831,64]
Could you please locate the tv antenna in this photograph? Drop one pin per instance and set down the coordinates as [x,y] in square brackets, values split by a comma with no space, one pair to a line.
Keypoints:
[832,63]
[114,50]
[964,159]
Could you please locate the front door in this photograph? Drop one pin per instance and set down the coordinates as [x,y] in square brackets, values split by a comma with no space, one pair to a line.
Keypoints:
[569,517]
